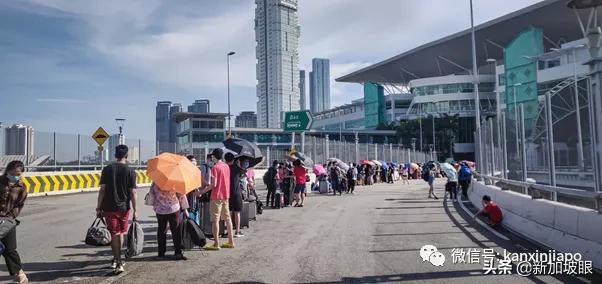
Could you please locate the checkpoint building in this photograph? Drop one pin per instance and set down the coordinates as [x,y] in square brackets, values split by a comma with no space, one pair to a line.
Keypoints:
[520,56]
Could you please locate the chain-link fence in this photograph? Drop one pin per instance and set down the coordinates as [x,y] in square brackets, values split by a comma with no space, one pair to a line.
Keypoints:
[51,151]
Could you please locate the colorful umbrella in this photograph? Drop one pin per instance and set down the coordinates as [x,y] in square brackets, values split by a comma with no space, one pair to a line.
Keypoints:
[318,170]
[174,173]
[450,171]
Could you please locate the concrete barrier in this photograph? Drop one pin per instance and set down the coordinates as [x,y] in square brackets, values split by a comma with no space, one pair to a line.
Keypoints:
[68,183]
[562,227]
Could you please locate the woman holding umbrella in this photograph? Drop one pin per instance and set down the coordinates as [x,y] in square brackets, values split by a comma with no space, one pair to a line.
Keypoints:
[173,177]
[167,206]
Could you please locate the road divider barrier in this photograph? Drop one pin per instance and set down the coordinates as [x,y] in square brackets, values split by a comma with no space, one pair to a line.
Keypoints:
[64,183]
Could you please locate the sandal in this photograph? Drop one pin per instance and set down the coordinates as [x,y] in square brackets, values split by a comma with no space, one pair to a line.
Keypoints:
[227,245]
[212,247]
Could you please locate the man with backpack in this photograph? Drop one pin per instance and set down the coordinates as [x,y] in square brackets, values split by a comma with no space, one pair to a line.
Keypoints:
[464,178]
[269,179]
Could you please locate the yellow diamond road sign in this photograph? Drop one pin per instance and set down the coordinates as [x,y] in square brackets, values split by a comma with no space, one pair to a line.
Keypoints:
[100,136]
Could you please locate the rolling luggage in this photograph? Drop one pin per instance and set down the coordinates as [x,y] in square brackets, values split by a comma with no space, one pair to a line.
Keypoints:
[323,186]
[206,221]
[253,210]
[244,215]
[279,200]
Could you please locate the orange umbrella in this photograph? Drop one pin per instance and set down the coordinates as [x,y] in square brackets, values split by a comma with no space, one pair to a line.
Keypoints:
[171,172]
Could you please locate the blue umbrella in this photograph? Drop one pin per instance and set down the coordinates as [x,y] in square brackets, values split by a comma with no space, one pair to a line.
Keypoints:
[384,165]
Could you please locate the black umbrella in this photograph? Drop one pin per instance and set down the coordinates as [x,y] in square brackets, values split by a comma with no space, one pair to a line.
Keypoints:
[307,161]
[244,148]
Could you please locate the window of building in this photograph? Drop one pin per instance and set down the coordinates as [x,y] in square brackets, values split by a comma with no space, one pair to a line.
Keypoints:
[388,105]
[401,104]
[501,78]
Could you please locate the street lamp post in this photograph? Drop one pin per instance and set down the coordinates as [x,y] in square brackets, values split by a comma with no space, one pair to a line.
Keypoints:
[228,71]
[475,87]
[120,124]
[592,31]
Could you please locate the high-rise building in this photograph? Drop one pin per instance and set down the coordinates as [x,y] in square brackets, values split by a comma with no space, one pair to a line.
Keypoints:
[114,140]
[200,106]
[19,140]
[247,119]
[165,126]
[277,36]
[319,82]
[302,99]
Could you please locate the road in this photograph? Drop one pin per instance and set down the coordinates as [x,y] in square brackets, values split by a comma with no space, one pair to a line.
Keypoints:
[373,236]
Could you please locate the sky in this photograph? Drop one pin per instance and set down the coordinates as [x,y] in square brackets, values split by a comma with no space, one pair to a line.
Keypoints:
[71,66]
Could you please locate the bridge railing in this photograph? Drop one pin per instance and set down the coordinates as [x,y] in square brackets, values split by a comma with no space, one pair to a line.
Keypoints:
[576,197]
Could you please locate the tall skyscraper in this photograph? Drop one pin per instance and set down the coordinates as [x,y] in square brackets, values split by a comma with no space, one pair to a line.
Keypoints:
[19,140]
[113,142]
[302,99]
[200,106]
[277,36]
[319,82]
[165,126]
[247,119]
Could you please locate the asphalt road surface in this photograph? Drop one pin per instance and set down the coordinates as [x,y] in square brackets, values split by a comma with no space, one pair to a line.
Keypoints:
[373,236]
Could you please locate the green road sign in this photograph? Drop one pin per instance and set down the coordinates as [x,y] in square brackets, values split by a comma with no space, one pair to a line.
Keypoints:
[297,120]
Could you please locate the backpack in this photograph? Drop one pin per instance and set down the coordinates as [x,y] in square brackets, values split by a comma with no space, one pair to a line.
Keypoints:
[98,235]
[464,173]
[268,177]
[426,172]
[259,207]
[134,240]
[192,234]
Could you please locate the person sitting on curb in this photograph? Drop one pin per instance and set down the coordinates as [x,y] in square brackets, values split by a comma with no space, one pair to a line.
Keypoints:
[491,210]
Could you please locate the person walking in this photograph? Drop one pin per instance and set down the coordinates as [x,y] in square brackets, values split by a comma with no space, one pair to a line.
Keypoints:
[235,202]
[300,180]
[270,180]
[432,172]
[220,194]
[404,176]
[464,178]
[451,186]
[353,179]
[12,199]
[117,195]
[167,206]
[335,180]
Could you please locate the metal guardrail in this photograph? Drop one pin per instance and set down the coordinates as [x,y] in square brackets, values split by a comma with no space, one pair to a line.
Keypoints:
[535,191]
[59,168]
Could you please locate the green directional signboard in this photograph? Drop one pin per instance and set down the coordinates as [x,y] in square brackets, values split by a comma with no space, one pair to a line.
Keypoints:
[297,120]
[521,73]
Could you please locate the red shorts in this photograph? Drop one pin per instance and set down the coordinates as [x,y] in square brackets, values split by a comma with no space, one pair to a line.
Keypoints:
[117,222]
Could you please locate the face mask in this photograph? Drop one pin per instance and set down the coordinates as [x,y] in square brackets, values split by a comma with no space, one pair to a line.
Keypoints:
[210,163]
[14,179]
[194,162]
[245,164]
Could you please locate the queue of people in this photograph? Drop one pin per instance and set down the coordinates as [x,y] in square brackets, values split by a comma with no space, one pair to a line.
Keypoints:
[227,180]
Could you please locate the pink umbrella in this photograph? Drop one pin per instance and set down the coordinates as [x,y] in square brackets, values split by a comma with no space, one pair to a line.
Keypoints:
[318,169]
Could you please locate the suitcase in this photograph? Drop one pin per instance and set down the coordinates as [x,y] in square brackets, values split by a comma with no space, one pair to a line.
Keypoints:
[323,186]
[279,200]
[253,210]
[244,215]
[206,221]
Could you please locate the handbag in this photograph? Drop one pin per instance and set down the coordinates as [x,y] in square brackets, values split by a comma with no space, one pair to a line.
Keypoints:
[134,240]
[149,199]
[98,235]
[7,224]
